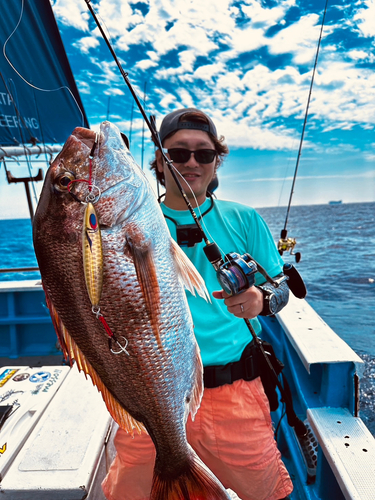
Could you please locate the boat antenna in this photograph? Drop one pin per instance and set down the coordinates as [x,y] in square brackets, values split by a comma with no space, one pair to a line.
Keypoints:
[285,243]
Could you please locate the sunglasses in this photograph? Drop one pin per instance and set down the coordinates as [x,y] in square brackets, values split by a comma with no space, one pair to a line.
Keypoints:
[181,155]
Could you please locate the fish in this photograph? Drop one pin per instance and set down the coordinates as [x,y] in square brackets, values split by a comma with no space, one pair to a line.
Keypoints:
[115,281]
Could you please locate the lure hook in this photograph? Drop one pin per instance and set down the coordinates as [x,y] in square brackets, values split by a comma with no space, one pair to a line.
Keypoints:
[122,347]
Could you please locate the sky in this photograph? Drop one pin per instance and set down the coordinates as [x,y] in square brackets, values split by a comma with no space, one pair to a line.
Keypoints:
[249,66]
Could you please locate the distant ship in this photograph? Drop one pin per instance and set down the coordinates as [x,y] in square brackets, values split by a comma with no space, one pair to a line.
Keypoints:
[338,202]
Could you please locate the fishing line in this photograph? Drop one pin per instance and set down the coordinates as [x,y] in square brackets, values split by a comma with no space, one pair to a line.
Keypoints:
[284,231]
[91,181]
[89,199]
[155,135]
[28,83]
[95,159]
[199,210]
[41,129]
[28,161]
[286,172]
[20,118]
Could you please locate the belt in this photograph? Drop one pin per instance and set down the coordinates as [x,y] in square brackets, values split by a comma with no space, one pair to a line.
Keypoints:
[246,368]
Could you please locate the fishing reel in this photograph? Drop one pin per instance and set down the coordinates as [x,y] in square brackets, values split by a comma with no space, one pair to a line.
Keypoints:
[286,244]
[236,274]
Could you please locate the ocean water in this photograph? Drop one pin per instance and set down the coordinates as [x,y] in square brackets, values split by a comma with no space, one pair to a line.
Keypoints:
[337,245]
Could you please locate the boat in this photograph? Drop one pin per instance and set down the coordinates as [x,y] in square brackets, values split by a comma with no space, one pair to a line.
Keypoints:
[337,202]
[336,461]
[56,436]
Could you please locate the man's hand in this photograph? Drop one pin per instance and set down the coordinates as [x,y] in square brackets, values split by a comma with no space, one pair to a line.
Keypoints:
[247,304]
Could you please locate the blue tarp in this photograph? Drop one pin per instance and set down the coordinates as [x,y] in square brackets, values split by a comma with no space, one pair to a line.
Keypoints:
[36,51]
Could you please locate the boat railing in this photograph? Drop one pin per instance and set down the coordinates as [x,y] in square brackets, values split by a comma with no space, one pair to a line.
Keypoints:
[18,269]
[323,373]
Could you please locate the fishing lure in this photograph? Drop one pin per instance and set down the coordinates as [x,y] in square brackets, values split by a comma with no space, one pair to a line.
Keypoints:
[93,268]
[92,254]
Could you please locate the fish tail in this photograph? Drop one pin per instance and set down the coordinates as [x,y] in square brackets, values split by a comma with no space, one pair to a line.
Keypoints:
[193,482]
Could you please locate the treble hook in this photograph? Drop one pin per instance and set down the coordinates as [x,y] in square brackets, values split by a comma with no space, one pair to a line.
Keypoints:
[122,347]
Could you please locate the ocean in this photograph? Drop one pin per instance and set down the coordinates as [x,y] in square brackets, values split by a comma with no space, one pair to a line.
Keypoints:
[337,245]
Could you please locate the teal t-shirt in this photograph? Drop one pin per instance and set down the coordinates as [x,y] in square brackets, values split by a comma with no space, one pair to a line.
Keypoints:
[222,336]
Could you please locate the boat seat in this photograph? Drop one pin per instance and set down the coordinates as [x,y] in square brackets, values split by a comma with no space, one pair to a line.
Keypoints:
[349,449]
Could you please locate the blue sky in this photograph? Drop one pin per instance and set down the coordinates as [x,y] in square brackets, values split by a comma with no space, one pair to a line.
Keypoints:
[248,64]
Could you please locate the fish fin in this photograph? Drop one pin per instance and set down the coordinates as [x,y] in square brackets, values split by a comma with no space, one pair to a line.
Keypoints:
[198,388]
[73,353]
[190,277]
[148,281]
[194,481]
[57,324]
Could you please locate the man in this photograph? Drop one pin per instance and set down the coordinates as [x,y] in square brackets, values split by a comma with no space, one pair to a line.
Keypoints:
[232,432]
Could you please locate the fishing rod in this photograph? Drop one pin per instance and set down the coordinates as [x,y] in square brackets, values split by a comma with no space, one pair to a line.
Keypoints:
[152,129]
[287,244]
[211,249]
[235,264]
[236,274]
[143,126]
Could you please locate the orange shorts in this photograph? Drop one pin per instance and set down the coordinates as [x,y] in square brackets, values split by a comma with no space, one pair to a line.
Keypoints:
[232,434]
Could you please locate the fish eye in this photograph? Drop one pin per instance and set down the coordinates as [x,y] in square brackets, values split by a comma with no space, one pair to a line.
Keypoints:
[62,181]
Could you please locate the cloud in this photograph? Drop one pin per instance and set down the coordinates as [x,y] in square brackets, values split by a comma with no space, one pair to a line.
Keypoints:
[113,91]
[86,43]
[358,55]
[242,134]
[146,64]
[365,19]
[106,72]
[83,87]
[265,16]
[208,71]
[245,63]
[72,13]
[186,98]
[186,58]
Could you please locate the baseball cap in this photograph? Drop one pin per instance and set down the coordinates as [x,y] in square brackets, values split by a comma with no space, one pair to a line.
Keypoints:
[172,122]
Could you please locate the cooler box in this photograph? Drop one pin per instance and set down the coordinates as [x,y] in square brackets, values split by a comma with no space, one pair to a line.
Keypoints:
[25,393]
[54,449]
